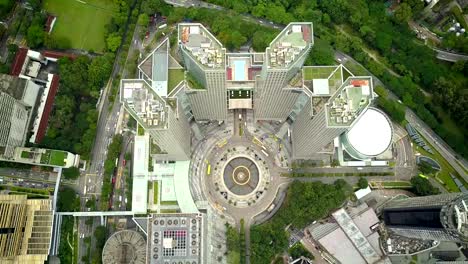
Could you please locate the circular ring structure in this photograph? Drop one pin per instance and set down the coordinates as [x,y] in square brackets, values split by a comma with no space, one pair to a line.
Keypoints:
[241,175]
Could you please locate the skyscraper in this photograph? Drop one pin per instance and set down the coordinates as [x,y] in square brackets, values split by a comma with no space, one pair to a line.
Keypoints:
[204,61]
[25,229]
[439,217]
[315,127]
[284,58]
[159,111]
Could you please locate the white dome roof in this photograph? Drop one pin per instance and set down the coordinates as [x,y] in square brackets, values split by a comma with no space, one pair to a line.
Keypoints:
[371,134]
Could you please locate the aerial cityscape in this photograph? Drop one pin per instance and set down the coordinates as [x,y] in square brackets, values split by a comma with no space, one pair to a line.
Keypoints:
[203,132]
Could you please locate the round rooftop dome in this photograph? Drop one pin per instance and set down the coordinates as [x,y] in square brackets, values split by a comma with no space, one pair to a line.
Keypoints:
[125,247]
[370,136]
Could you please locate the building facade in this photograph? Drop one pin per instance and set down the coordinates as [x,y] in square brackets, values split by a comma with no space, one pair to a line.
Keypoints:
[25,229]
[438,217]
[284,59]
[17,101]
[204,59]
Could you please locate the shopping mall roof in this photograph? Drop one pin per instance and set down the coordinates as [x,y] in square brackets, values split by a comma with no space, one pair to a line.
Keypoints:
[371,135]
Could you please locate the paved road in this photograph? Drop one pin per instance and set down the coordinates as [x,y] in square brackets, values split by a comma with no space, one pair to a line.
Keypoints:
[450,56]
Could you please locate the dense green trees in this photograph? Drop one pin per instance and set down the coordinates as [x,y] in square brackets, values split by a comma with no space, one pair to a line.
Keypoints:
[299,250]
[423,187]
[362,183]
[5,8]
[305,202]
[72,125]
[100,236]
[232,245]
[35,36]
[322,54]
[71,173]
[68,200]
[113,152]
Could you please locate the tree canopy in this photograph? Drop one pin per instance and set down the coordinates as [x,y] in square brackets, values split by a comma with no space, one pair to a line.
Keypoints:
[71,173]
[423,187]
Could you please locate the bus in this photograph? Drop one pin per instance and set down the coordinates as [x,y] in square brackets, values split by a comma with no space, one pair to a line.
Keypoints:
[208,169]
[264,152]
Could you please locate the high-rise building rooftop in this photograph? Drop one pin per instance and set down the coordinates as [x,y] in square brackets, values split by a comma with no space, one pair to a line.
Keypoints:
[202,45]
[349,101]
[289,45]
[25,229]
[144,104]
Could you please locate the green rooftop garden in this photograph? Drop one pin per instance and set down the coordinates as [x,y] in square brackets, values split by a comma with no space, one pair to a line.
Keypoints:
[45,157]
[175,77]
[311,73]
[26,154]
[57,157]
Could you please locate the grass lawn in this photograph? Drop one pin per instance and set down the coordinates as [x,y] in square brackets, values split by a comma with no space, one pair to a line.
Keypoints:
[155,192]
[57,158]
[82,23]
[175,77]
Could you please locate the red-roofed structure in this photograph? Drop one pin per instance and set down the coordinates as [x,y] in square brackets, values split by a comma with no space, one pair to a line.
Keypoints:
[49,23]
[58,54]
[47,109]
[17,64]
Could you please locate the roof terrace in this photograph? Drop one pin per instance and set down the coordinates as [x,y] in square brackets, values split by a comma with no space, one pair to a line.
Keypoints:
[155,68]
[289,44]
[203,46]
[349,101]
[143,103]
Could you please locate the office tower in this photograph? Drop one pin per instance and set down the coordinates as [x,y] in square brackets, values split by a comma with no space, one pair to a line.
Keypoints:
[159,109]
[438,217]
[318,125]
[204,60]
[17,101]
[25,229]
[284,58]
[159,118]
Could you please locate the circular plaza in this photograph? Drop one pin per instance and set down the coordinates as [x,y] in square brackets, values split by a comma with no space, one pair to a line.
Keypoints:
[241,175]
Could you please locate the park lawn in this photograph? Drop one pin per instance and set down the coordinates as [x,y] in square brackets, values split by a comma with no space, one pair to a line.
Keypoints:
[82,23]
[175,77]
